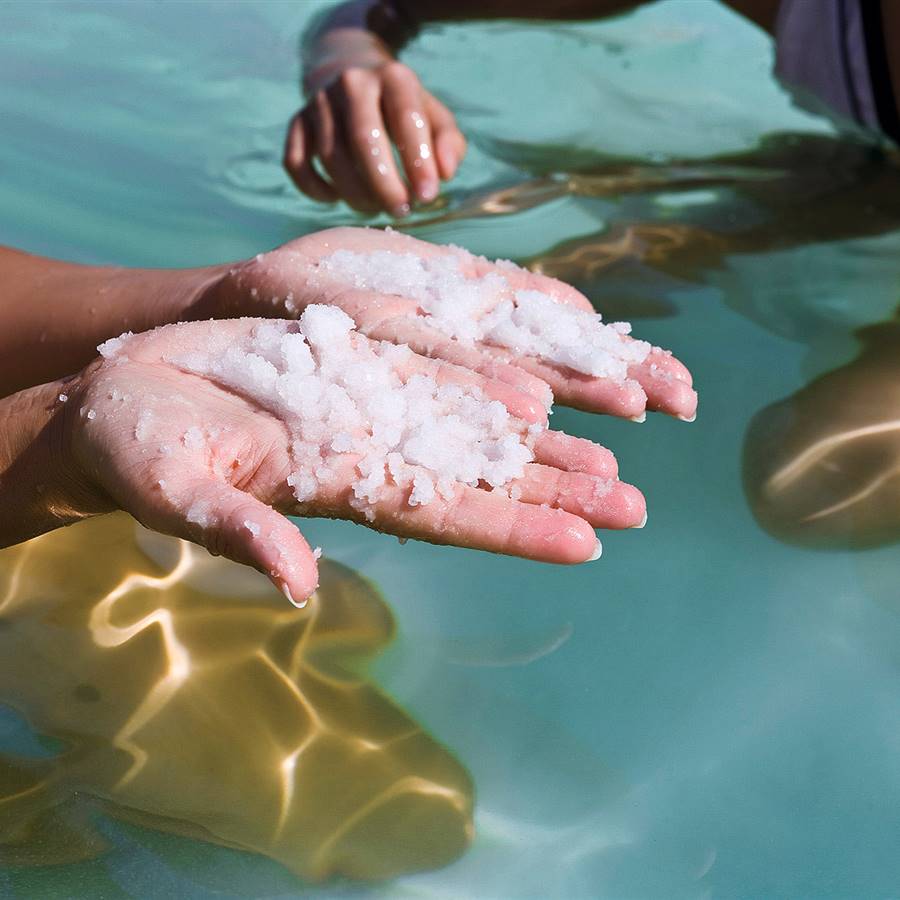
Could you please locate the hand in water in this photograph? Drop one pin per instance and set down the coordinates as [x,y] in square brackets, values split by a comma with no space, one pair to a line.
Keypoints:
[354,118]
[190,458]
[286,280]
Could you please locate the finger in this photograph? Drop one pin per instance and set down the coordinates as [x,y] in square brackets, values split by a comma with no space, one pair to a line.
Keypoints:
[409,328]
[234,524]
[520,404]
[298,162]
[372,150]
[574,454]
[473,518]
[625,399]
[449,142]
[602,502]
[407,120]
[665,362]
[665,393]
[520,279]
[331,150]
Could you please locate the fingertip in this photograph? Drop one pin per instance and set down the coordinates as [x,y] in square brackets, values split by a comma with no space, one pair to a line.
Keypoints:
[296,596]
[676,398]
[632,506]
[448,154]
[428,189]
[569,541]
[578,543]
[628,400]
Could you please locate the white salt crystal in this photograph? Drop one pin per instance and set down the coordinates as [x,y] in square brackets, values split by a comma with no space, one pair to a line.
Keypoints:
[252,527]
[317,553]
[423,489]
[92,414]
[63,398]
[109,349]
[143,428]
[198,513]
[341,395]
[193,438]
[485,308]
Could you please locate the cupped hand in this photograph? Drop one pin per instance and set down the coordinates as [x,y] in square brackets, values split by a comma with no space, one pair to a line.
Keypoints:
[351,124]
[191,458]
[283,282]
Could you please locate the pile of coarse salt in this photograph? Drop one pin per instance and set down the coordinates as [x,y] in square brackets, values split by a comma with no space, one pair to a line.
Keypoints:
[357,409]
[485,308]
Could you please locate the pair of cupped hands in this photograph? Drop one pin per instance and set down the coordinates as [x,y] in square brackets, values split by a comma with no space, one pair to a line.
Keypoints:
[239,474]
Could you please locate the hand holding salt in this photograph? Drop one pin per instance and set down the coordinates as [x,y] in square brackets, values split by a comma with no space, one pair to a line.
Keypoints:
[494,318]
[201,429]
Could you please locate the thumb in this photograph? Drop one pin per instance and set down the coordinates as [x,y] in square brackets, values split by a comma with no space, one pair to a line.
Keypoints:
[234,524]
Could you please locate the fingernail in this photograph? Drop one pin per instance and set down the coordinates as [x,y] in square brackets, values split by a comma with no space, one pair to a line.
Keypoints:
[287,593]
[641,418]
[598,552]
[428,190]
[643,521]
[692,418]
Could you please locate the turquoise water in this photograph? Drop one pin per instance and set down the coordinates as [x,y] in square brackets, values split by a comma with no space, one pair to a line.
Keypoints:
[707,711]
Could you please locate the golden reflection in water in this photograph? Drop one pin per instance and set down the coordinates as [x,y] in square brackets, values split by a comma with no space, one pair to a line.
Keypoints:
[793,189]
[823,466]
[190,698]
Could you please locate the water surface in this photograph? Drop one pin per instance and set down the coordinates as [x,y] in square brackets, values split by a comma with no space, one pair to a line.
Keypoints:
[709,710]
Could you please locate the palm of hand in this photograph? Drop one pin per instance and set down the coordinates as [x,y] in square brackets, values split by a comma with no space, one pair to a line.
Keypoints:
[191,458]
[289,278]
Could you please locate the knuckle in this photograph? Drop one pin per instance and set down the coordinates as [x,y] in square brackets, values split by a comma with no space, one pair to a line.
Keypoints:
[396,71]
[352,79]
[361,135]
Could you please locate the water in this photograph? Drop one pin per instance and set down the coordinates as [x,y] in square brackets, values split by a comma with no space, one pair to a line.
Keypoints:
[711,709]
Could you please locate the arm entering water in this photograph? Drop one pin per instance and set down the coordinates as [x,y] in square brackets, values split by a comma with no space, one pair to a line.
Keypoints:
[361,99]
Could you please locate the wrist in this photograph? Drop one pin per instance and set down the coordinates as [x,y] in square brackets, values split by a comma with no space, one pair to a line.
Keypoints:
[340,49]
[41,485]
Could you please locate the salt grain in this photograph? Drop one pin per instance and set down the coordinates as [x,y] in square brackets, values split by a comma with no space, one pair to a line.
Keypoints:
[486,308]
[347,410]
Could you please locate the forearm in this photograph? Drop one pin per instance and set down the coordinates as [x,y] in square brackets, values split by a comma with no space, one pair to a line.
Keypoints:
[367,32]
[54,314]
[39,487]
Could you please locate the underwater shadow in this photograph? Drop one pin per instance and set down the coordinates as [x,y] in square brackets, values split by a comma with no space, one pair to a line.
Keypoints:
[187,697]
[821,468]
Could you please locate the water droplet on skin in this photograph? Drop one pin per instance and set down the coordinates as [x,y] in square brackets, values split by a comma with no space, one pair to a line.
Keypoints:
[418,121]
[375,133]
[375,151]
[424,151]
[382,169]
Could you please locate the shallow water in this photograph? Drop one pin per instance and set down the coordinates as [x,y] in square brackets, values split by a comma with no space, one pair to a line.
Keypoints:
[710,709]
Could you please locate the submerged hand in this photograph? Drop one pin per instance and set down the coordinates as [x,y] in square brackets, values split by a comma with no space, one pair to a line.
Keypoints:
[353,120]
[286,280]
[191,458]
